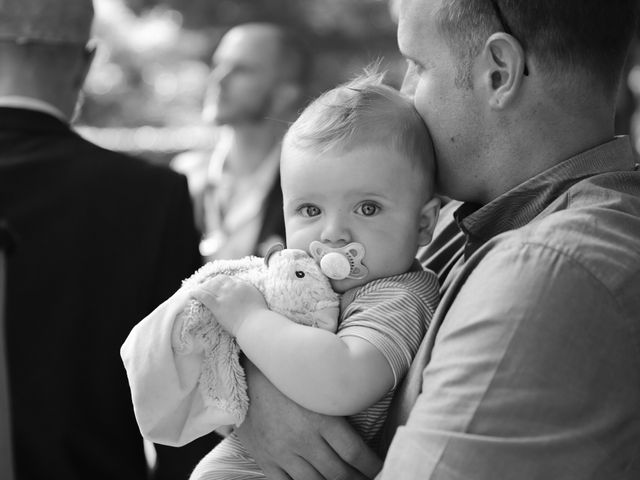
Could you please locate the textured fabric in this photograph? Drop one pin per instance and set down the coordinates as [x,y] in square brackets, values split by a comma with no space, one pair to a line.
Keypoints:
[184,370]
[6,448]
[393,314]
[531,368]
[102,238]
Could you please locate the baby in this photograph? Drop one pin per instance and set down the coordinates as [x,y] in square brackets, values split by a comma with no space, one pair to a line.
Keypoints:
[357,174]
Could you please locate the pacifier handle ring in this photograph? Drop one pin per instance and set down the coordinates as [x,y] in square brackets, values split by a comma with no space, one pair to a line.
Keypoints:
[353,253]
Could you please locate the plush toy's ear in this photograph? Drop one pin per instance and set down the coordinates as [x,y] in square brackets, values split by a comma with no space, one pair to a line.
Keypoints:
[277,247]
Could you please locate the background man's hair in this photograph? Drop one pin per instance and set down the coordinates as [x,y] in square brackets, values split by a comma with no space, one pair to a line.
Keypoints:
[363,111]
[588,36]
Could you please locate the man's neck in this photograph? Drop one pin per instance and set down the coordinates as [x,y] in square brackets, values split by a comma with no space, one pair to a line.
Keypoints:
[32,103]
[17,88]
[251,144]
[556,134]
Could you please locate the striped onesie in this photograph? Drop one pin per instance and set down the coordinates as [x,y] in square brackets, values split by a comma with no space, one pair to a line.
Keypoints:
[391,313]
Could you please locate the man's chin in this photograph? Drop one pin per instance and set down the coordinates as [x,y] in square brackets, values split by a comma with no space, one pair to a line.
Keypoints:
[214,116]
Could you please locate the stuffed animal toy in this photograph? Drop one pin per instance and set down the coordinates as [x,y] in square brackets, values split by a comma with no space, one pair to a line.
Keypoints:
[292,285]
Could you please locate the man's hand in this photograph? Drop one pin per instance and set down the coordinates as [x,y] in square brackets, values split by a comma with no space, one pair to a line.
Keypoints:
[230,300]
[290,442]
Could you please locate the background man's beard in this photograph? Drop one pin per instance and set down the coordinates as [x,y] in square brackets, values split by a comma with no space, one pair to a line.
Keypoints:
[258,114]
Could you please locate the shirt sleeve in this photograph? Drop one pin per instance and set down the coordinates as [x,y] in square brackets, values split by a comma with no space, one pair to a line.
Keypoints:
[394,319]
[530,377]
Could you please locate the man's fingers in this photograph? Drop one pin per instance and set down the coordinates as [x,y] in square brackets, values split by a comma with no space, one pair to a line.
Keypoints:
[352,449]
[301,469]
[331,465]
[275,473]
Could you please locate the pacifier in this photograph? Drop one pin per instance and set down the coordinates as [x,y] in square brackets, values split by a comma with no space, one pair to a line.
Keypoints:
[339,263]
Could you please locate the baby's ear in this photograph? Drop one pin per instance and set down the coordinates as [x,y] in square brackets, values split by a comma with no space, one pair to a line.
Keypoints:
[428,220]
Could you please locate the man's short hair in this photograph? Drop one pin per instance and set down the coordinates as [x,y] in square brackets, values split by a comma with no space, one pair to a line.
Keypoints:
[51,22]
[589,36]
[363,111]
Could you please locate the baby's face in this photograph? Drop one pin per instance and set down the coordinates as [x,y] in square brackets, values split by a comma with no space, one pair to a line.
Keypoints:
[370,195]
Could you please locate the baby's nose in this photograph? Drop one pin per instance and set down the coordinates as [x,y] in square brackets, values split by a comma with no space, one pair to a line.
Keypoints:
[336,231]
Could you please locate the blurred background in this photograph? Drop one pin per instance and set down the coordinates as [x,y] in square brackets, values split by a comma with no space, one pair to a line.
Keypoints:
[144,93]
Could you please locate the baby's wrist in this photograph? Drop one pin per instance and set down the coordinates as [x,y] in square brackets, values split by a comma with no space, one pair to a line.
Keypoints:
[243,326]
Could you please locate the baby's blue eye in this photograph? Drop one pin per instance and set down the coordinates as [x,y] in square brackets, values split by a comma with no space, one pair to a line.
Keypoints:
[309,211]
[368,209]
[299,274]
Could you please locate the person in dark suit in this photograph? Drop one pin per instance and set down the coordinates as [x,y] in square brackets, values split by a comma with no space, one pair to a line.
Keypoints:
[101,239]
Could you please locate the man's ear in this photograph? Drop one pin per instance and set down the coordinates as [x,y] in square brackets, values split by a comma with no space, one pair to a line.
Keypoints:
[505,68]
[428,219]
[88,55]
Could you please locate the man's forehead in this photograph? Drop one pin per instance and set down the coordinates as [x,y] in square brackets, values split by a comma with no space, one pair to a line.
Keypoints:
[248,48]
[416,21]
[408,19]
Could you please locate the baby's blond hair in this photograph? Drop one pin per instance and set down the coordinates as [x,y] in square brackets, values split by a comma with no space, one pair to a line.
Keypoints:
[364,111]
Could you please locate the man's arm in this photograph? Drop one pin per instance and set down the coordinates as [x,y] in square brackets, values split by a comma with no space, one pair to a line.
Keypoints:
[529,378]
[290,442]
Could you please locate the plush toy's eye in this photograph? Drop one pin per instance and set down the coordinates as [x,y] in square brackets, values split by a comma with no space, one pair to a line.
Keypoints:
[299,274]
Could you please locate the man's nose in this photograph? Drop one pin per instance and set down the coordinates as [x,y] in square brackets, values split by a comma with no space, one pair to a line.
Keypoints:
[409,81]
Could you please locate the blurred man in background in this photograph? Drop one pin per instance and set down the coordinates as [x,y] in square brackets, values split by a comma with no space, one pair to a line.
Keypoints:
[101,239]
[258,82]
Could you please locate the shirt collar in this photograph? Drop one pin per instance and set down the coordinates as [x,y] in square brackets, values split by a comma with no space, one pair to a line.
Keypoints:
[30,103]
[523,203]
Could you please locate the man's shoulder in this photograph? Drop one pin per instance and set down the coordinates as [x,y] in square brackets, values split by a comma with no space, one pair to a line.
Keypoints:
[595,224]
[127,166]
[597,211]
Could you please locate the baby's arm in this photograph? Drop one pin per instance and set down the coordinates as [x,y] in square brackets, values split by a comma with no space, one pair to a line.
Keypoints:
[315,368]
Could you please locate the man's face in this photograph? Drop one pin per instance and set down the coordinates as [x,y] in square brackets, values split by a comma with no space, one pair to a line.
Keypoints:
[450,111]
[243,78]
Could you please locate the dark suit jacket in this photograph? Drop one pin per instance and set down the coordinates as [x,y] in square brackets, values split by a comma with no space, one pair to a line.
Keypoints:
[102,239]
[273,222]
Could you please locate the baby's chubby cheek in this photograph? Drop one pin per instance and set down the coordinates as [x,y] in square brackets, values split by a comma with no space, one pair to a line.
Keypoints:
[294,238]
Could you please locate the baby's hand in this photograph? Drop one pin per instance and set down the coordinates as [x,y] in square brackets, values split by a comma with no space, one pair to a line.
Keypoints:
[230,300]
